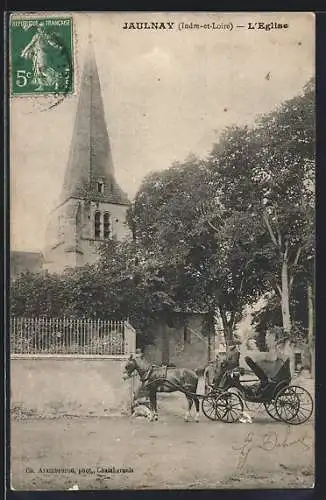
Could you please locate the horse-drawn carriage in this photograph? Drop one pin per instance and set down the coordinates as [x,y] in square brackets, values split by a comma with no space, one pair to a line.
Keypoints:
[229,394]
[226,398]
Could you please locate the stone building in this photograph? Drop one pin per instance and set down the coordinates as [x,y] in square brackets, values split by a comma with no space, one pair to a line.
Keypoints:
[183,342]
[92,207]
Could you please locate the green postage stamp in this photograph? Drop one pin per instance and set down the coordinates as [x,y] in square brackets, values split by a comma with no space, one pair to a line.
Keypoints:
[41,51]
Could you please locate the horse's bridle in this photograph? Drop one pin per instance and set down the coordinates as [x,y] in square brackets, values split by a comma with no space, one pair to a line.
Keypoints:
[143,377]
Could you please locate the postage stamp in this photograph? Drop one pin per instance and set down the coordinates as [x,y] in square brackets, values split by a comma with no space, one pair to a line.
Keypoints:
[41,55]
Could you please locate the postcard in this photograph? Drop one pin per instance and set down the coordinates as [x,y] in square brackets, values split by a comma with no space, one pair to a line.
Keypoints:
[162,298]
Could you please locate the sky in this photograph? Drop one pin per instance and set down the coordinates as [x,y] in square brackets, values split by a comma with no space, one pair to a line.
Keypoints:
[166,94]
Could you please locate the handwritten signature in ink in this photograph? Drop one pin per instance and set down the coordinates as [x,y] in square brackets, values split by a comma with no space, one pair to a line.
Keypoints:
[268,442]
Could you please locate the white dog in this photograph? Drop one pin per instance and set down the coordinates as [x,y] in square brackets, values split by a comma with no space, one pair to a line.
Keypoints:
[245,418]
[140,408]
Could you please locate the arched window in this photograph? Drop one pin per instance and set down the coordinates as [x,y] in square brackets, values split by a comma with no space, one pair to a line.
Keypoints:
[97,225]
[106,226]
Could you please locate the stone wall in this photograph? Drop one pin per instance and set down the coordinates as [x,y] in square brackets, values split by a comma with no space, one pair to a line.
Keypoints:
[62,386]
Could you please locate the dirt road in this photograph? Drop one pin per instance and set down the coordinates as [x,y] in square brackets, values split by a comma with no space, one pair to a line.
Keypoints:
[165,454]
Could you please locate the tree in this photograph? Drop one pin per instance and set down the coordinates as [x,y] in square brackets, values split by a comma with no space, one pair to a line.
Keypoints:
[179,220]
[266,172]
[39,295]
[211,235]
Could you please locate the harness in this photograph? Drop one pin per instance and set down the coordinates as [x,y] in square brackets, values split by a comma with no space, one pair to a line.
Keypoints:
[146,376]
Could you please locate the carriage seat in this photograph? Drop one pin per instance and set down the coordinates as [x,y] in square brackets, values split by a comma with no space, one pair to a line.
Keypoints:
[280,370]
[258,371]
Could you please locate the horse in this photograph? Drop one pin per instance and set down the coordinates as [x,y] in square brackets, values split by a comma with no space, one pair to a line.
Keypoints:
[164,379]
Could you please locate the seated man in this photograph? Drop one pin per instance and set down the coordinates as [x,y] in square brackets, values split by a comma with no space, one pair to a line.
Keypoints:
[232,357]
[227,367]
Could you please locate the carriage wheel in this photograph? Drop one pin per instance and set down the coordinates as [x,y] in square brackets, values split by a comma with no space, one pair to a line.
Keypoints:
[227,407]
[208,405]
[294,405]
[230,407]
[271,410]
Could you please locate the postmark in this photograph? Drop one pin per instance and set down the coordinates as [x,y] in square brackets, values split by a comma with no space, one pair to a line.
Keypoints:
[41,51]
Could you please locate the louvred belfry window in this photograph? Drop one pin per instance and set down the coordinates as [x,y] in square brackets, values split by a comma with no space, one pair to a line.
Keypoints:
[97,225]
[106,225]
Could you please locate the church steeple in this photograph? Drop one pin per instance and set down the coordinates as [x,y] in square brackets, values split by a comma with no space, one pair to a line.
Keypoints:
[90,172]
[92,207]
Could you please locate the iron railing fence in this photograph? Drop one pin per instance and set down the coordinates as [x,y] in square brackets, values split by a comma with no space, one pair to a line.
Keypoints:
[70,336]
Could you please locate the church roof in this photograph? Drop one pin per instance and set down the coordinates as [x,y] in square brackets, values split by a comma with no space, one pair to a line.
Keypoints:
[90,157]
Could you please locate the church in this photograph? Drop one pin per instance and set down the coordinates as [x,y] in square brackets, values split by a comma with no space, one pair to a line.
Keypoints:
[92,207]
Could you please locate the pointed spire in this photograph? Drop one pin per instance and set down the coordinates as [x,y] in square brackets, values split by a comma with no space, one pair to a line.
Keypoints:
[90,158]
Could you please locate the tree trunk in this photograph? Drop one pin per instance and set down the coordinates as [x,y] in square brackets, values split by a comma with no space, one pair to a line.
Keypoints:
[311,329]
[227,327]
[285,298]
[210,334]
[165,344]
[228,333]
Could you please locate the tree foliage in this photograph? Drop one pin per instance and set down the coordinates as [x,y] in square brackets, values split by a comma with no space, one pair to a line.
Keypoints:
[210,235]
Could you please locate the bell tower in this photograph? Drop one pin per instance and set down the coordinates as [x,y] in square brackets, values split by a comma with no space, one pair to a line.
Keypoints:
[92,207]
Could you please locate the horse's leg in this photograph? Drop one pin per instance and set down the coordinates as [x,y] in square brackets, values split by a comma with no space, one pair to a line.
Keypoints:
[155,406]
[197,409]
[190,403]
[153,400]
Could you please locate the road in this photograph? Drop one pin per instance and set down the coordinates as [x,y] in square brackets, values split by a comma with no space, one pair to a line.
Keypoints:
[169,453]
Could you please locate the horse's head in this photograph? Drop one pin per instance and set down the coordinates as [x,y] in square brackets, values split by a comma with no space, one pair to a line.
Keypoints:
[129,367]
[136,363]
